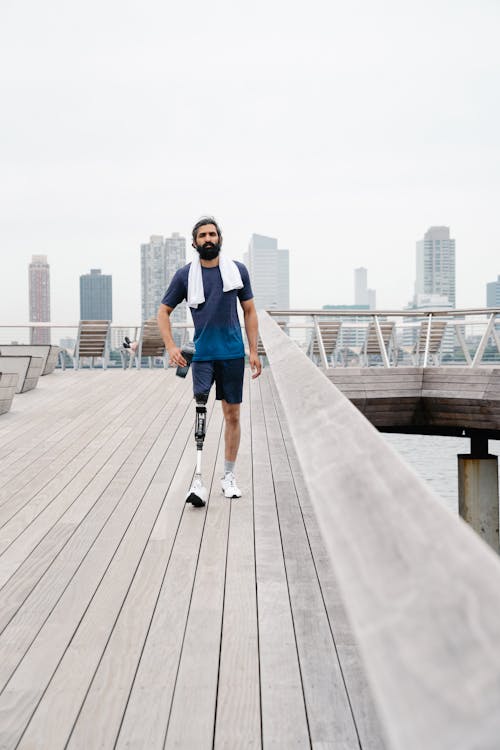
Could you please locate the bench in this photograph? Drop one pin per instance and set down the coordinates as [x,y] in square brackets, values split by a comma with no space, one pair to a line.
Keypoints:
[8,383]
[27,368]
[49,353]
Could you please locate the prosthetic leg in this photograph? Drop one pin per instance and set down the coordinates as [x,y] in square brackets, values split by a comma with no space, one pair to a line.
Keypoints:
[198,494]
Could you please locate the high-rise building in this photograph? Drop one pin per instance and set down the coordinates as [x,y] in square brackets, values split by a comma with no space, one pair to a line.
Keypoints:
[39,293]
[493,293]
[436,264]
[160,259]
[96,296]
[363,295]
[268,266]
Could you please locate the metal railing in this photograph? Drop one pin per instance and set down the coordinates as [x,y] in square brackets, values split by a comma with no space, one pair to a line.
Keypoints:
[388,338]
[364,338]
[65,335]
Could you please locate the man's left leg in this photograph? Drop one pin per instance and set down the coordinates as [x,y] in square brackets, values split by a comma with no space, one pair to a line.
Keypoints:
[232,433]
[229,389]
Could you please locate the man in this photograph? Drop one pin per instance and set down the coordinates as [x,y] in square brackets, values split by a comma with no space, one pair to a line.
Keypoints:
[220,357]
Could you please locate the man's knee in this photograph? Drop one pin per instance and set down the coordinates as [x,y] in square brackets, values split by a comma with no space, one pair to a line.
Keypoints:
[231,413]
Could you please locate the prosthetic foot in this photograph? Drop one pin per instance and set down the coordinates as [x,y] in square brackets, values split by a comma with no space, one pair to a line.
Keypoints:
[198,494]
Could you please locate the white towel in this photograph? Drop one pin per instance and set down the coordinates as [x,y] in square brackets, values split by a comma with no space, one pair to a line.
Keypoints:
[231,279]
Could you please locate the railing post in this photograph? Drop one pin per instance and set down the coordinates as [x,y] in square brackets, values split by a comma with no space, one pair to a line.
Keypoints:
[482,344]
[381,344]
[463,344]
[427,340]
[321,346]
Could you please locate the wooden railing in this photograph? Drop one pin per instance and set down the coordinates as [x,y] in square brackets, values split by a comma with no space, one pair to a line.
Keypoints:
[421,590]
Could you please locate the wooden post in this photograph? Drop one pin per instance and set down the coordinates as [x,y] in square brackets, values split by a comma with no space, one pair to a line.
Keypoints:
[478,490]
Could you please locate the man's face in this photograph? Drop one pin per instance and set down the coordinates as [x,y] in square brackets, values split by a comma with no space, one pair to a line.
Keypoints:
[207,236]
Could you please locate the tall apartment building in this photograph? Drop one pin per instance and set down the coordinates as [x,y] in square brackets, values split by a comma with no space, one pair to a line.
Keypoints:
[493,293]
[363,295]
[39,297]
[160,259]
[269,270]
[436,264]
[96,296]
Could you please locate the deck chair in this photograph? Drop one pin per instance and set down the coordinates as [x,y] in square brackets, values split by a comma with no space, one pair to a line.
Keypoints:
[373,347]
[92,341]
[438,330]
[150,345]
[329,332]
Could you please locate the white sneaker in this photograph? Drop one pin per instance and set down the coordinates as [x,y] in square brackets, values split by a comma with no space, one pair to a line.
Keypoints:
[229,486]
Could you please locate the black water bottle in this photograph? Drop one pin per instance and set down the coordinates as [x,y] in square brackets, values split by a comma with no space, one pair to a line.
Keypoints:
[187,352]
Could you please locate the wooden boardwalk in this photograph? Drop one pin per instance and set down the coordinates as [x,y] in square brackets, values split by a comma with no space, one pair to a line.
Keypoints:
[130,620]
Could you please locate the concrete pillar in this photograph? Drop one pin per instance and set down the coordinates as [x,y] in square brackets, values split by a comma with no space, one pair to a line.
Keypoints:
[478,491]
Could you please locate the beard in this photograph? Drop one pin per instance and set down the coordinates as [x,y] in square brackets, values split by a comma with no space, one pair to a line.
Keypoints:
[209,250]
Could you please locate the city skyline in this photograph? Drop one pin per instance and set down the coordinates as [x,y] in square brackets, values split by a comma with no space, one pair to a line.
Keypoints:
[339,136]
[176,243]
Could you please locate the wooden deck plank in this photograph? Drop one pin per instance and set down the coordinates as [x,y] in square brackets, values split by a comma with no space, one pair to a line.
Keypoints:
[93,521]
[37,547]
[25,465]
[27,684]
[31,409]
[119,603]
[365,716]
[238,697]
[113,643]
[329,714]
[54,466]
[199,664]
[57,426]
[148,708]
[53,481]
[281,688]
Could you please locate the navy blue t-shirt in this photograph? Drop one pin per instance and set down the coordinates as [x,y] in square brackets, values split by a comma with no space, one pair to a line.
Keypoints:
[216,323]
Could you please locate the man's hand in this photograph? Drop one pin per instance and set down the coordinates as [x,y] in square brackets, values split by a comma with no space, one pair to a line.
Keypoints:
[176,357]
[255,365]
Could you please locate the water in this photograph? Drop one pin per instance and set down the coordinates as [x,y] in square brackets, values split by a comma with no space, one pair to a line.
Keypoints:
[435,460]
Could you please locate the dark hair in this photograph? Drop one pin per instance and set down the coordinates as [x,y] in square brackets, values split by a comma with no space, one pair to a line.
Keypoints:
[201,223]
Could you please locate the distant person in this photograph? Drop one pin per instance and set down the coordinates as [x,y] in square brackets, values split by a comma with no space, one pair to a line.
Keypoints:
[128,344]
[212,284]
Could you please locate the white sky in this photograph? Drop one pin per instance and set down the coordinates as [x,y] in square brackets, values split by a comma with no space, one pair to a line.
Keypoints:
[345,129]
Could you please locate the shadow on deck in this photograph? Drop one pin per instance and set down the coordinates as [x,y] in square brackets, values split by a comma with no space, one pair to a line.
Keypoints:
[128,619]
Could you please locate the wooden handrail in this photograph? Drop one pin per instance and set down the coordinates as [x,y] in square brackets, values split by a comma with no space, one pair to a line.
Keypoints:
[421,590]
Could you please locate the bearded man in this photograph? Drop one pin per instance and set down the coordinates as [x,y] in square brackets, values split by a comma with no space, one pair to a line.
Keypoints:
[213,285]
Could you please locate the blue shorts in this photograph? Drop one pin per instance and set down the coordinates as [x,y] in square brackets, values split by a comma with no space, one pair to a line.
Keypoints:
[227,374]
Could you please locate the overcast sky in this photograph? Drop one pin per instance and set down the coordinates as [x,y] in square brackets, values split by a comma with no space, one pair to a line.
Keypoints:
[344,129]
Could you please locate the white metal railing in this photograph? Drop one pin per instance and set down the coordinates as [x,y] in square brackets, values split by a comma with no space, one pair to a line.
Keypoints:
[388,338]
[466,337]
[65,335]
